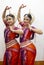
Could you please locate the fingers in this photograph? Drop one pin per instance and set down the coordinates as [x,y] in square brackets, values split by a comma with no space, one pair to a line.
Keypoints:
[22,6]
[7,8]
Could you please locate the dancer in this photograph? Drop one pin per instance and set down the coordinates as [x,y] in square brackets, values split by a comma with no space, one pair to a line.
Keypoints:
[10,34]
[28,49]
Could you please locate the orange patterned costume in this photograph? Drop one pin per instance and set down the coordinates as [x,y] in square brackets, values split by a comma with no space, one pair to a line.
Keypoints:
[28,49]
[12,48]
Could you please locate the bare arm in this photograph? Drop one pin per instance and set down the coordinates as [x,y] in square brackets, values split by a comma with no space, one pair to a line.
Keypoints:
[19,15]
[19,31]
[19,12]
[4,13]
[38,31]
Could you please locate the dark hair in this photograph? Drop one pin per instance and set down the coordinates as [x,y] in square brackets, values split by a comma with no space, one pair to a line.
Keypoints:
[29,15]
[11,15]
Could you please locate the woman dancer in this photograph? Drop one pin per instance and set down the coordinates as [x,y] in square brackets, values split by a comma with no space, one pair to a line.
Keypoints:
[11,32]
[28,49]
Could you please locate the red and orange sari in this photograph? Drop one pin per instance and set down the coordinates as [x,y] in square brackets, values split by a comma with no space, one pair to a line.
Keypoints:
[28,49]
[12,48]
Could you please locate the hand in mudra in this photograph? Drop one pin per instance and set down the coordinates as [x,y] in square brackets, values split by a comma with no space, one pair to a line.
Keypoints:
[7,8]
[22,6]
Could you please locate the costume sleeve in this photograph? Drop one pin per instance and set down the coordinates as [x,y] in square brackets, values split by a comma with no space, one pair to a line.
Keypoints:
[16,28]
[33,27]
[32,36]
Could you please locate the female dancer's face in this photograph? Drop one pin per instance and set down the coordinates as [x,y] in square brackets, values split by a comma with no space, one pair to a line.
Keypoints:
[10,20]
[27,20]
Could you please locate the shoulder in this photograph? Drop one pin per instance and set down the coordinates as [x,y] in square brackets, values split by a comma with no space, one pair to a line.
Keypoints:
[33,27]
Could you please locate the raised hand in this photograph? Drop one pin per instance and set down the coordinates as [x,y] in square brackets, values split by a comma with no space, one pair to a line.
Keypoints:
[7,8]
[22,6]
